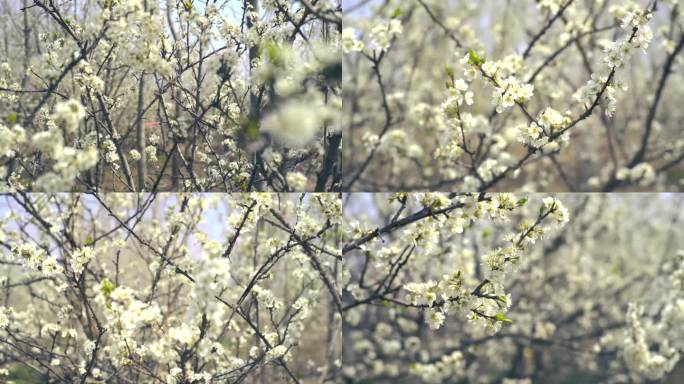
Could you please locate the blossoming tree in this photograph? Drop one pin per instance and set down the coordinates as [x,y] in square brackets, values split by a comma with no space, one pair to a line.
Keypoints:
[550,95]
[497,288]
[144,95]
[122,288]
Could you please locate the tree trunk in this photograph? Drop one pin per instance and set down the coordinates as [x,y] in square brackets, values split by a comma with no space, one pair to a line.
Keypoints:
[253,55]
[27,36]
[140,135]
[140,132]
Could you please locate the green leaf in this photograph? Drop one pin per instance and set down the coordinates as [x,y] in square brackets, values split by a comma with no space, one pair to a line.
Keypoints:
[616,269]
[449,71]
[107,287]
[397,13]
[89,240]
[486,233]
[522,201]
[12,118]
[474,58]
[188,5]
[502,318]
[274,54]
[250,128]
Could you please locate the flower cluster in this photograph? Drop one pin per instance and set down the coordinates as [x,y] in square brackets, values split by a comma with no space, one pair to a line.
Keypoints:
[641,174]
[68,114]
[382,34]
[349,41]
[603,84]
[81,257]
[36,259]
[487,302]
[546,132]
[11,139]
[651,347]
[448,366]
[637,353]
[508,89]
[293,124]
[458,94]
[4,317]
